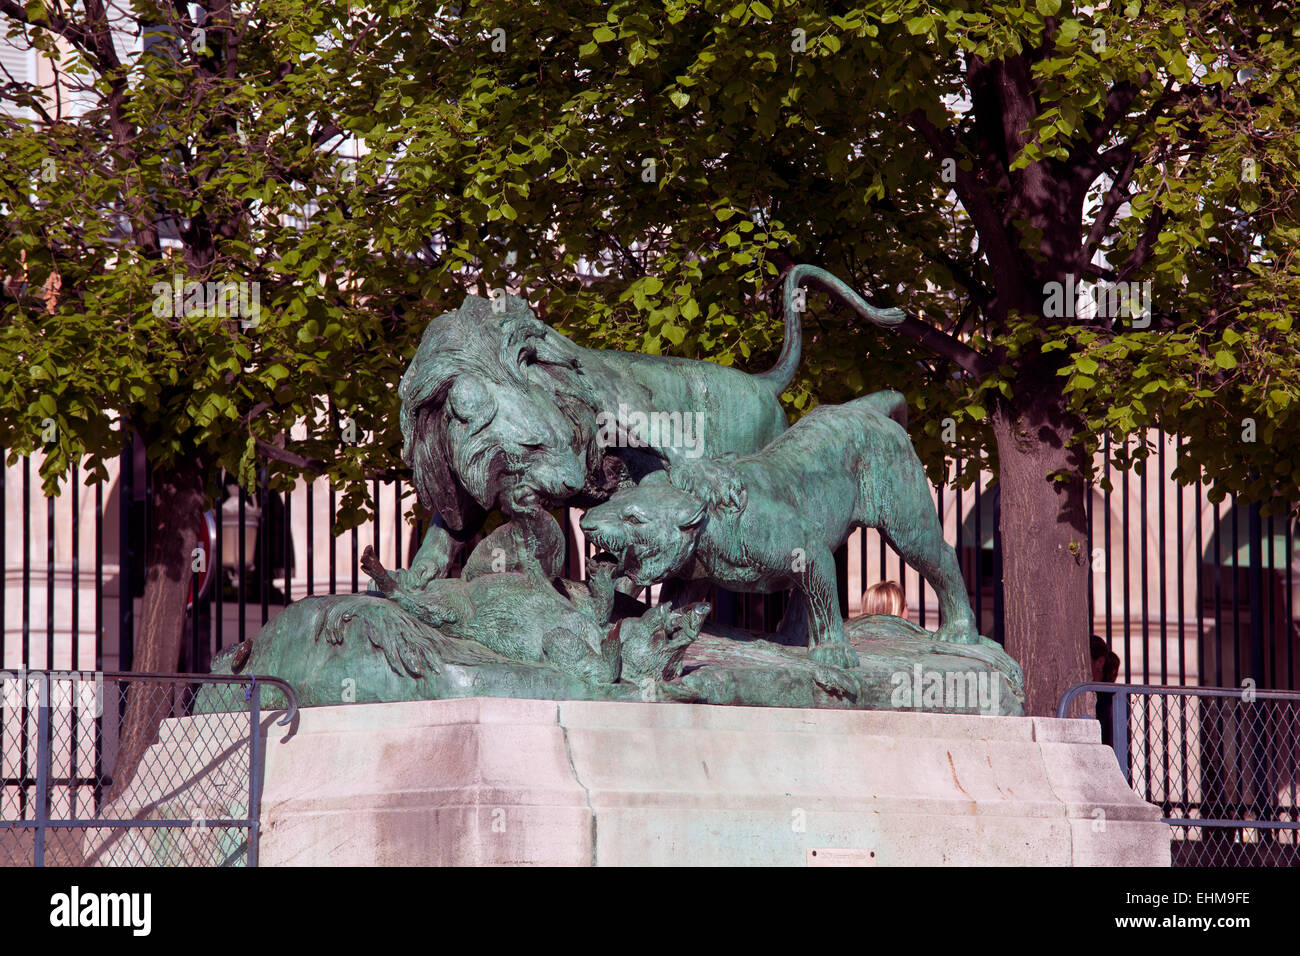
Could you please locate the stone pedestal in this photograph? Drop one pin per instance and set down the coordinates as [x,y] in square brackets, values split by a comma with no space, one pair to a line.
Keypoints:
[497,781]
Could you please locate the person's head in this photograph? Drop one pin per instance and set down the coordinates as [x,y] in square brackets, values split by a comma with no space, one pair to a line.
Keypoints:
[1105,662]
[884,597]
[1110,672]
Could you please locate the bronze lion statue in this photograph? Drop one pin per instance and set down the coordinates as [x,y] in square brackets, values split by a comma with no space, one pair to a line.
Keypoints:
[501,411]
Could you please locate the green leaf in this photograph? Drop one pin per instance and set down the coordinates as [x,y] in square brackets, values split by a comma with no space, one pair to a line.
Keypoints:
[919,25]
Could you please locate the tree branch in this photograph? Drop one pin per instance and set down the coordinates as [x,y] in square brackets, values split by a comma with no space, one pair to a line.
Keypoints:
[1145,244]
[78,34]
[1116,196]
[253,412]
[988,223]
[315,465]
[1118,101]
[942,344]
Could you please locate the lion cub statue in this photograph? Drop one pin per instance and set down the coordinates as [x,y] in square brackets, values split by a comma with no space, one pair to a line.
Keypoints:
[770,521]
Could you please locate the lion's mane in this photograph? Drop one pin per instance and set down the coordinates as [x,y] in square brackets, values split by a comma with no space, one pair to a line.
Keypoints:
[506,351]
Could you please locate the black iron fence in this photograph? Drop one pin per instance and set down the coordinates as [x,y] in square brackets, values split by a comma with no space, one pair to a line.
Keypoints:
[1223,765]
[1185,591]
[117,769]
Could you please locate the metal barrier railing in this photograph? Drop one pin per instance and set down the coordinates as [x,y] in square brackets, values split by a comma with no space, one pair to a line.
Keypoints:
[129,769]
[1222,763]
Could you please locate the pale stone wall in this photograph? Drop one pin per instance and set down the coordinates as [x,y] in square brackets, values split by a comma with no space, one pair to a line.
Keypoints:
[521,782]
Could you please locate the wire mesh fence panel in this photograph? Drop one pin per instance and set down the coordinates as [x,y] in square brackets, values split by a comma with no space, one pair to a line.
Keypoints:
[1222,764]
[113,769]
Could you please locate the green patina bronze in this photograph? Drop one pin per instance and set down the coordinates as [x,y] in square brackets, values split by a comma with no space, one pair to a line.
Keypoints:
[499,412]
[770,521]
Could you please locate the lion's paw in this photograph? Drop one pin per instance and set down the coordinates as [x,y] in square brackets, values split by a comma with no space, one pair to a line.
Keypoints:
[835,653]
[654,645]
[837,683]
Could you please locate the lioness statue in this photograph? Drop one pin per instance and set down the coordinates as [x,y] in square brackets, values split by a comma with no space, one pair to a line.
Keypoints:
[770,521]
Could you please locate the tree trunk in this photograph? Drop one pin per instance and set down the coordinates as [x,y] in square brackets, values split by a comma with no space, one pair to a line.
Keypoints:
[1045,561]
[175,520]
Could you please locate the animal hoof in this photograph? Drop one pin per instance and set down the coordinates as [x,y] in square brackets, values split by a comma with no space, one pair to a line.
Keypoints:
[836,654]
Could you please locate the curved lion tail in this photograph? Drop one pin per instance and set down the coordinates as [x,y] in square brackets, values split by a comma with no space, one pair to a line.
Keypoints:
[781,374]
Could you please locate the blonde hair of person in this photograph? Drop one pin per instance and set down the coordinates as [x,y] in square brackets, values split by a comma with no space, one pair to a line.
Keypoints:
[884,597]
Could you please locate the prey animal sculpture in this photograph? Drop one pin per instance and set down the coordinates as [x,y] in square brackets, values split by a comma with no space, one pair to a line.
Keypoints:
[522,617]
[770,521]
